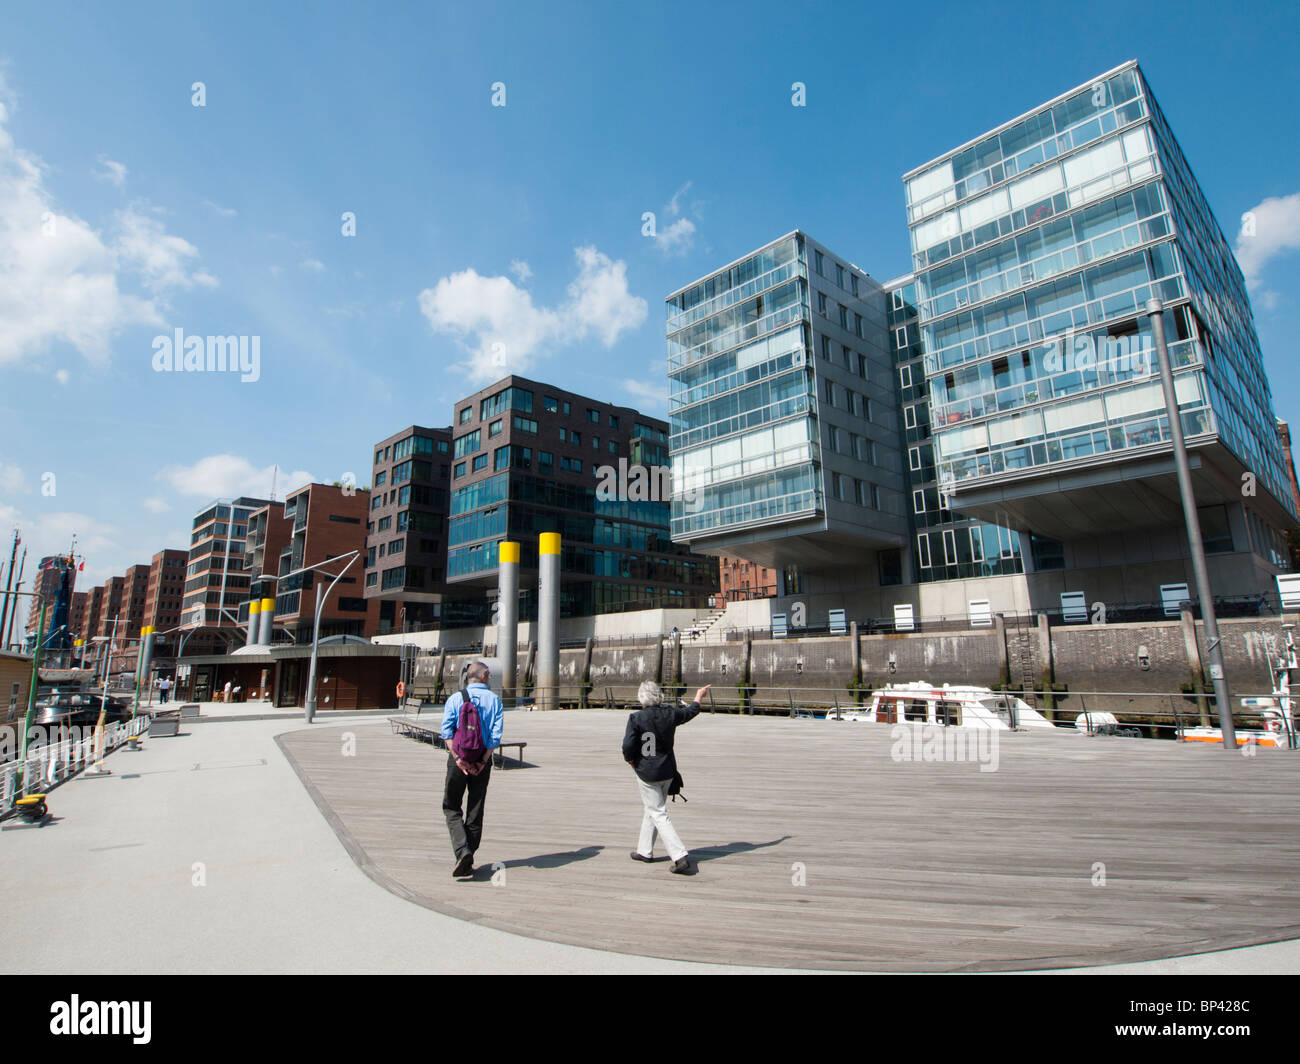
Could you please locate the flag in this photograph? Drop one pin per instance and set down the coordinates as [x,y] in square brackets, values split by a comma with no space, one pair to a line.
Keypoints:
[81,568]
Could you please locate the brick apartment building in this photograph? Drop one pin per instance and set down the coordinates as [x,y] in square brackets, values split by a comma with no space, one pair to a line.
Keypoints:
[166,586]
[135,589]
[739,579]
[320,522]
[528,458]
[77,611]
[406,542]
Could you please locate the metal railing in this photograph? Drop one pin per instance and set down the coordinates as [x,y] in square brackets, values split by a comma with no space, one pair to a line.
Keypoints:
[53,763]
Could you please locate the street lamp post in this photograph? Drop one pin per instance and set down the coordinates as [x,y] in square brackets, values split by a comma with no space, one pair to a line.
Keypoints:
[1213,642]
[310,702]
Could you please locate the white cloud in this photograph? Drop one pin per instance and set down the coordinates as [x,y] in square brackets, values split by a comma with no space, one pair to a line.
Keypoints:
[313,265]
[45,533]
[223,476]
[156,505]
[12,480]
[162,260]
[276,270]
[60,280]
[674,207]
[504,332]
[679,237]
[225,212]
[111,171]
[1269,229]
[61,375]
[521,270]
[651,395]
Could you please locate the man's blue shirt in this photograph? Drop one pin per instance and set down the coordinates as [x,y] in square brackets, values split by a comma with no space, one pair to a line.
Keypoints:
[490,711]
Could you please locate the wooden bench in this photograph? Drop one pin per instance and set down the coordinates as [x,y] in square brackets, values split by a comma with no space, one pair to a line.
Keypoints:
[432,734]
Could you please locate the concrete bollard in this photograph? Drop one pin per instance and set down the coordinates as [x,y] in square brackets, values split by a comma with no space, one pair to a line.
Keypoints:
[548,619]
[508,618]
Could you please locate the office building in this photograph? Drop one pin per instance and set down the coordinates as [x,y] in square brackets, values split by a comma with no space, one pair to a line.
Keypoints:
[164,590]
[1036,247]
[529,458]
[406,544]
[1024,401]
[785,431]
[216,581]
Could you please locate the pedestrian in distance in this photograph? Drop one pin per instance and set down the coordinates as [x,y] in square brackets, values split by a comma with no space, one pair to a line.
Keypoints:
[471,727]
[164,689]
[648,748]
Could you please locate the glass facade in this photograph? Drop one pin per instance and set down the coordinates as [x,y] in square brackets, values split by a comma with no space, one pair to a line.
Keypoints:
[740,395]
[946,545]
[1035,252]
[777,416]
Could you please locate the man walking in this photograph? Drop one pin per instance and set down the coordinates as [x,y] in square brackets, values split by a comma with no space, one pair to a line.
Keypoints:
[164,688]
[648,748]
[470,772]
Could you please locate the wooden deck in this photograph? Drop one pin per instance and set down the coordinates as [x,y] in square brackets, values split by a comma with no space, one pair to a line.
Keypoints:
[909,866]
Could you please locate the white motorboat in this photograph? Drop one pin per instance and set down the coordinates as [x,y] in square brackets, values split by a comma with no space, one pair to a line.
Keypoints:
[951,706]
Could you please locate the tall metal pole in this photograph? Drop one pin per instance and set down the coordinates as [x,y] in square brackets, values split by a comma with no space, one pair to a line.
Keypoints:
[31,702]
[9,581]
[310,703]
[508,617]
[18,590]
[1213,642]
[548,620]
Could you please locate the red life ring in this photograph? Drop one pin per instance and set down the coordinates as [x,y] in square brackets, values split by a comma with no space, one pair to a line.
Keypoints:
[401,689]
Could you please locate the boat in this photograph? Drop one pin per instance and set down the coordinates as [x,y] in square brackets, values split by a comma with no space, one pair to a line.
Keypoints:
[1277,730]
[961,706]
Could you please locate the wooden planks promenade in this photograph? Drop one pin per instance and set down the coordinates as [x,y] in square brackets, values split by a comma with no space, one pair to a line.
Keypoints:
[905,866]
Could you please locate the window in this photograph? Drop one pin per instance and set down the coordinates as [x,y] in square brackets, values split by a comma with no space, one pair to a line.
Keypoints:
[550,404]
[853,283]
[593,416]
[821,303]
[826,348]
[900,337]
[379,456]
[494,429]
[525,424]
[839,275]
[918,501]
[460,469]
[1046,553]
[844,316]
[866,409]
[467,444]
[595,443]
[923,550]
[832,438]
[905,376]
[572,465]
[613,447]
[397,546]
[860,495]
[381,478]
[909,417]
[976,543]
[875,492]
[949,547]
[830,392]
[466,414]
[480,462]
[613,421]
[862,367]
[385,523]
[565,405]
[819,263]
[545,460]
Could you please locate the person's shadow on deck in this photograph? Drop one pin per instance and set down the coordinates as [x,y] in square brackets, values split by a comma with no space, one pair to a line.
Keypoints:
[545,860]
[712,853]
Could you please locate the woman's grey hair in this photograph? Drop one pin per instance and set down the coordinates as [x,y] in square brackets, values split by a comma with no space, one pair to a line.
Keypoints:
[649,693]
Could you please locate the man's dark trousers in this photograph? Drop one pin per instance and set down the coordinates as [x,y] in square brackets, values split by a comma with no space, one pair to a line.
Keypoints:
[466,829]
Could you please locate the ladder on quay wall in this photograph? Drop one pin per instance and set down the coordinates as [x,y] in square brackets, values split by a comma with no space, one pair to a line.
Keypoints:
[1021,660]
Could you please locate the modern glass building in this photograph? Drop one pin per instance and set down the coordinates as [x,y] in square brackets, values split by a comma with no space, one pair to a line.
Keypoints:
[946,544]
[784,419]
[995,415]
[1036,247]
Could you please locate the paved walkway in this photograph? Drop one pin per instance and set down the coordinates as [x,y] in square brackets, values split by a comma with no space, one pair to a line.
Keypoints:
[110,885]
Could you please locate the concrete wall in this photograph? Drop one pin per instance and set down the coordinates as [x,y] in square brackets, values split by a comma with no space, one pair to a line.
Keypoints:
[1086,657]
[647,623]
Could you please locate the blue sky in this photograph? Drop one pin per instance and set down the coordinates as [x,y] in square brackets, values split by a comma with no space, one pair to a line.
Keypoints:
[494,239]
